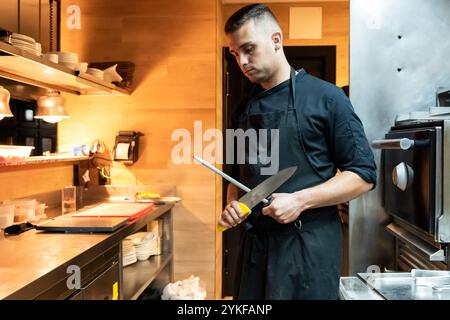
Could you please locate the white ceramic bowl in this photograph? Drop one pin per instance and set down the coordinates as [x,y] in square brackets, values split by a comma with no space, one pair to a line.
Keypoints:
[82,66]
[53,57]
[69,65]
[67,57]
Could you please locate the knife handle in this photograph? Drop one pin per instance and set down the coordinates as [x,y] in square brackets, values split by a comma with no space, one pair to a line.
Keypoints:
[268,203]
[245,211]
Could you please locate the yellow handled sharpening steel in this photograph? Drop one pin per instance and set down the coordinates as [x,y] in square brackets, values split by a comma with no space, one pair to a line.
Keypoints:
[256,195]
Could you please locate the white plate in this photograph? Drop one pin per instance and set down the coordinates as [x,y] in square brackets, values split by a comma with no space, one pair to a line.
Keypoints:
[23,43]
[25,47]
[139,237]
[22,37]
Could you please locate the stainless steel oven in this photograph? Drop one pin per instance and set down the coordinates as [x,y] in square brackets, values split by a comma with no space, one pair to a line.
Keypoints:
[415,174]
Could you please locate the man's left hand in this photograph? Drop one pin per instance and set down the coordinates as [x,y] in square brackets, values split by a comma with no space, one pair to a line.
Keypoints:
[284,208]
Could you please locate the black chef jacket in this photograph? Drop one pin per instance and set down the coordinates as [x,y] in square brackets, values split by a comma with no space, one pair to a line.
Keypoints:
[333,134]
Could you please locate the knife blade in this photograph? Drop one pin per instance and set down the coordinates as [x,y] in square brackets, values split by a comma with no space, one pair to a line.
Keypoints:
[248,201]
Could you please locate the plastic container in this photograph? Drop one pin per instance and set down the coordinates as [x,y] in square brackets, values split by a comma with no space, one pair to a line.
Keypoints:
[12,154]
[6,215]
[23,215]
[25,209]
[40,212]
[40,209]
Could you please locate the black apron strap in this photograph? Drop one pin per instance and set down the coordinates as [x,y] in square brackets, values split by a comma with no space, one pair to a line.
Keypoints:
[292,80]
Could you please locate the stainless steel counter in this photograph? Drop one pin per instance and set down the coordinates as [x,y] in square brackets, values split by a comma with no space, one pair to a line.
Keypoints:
[419,285]
[353,288]
[32,261]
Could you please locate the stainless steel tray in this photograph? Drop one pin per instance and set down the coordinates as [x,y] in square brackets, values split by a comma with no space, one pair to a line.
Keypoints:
[414,285]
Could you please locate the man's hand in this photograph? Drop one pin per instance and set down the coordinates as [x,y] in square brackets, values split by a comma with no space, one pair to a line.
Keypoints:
[285,207]
[231,215]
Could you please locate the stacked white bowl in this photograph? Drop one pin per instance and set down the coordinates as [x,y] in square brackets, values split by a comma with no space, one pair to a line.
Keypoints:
[128,253]
[145,244]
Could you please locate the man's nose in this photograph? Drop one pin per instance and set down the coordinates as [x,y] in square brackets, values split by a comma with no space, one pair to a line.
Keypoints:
[243,60]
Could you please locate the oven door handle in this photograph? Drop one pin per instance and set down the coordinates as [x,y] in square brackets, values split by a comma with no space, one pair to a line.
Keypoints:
[400,144]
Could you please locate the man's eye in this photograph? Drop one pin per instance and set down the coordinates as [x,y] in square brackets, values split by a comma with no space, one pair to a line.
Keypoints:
[249,50]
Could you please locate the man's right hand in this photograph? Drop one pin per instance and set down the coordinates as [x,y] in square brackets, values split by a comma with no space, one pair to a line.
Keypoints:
[231,215]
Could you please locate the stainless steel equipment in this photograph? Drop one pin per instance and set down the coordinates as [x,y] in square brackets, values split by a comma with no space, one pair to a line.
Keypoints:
[416,191]
[395,67]
[414,285]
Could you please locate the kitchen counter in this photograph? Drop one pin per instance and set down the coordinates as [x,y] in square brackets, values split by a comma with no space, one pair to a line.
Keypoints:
[44,160]
[393,286]
[34,260]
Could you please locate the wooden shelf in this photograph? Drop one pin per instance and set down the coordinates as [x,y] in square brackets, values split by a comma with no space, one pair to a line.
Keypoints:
[22,66]
[44,160]
[138,276]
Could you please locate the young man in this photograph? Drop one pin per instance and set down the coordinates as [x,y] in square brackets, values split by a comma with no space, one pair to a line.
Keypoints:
[292,248]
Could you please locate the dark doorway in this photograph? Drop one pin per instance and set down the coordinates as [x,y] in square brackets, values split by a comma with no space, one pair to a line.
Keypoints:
[319,61]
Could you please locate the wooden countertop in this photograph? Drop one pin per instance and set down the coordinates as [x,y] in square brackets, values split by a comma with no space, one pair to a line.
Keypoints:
[28,260]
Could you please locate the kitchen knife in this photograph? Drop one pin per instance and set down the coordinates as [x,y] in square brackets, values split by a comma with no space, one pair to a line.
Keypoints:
[225,176]
[248,201]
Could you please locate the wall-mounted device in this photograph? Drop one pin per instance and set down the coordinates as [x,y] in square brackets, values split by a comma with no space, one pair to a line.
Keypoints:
[126,148]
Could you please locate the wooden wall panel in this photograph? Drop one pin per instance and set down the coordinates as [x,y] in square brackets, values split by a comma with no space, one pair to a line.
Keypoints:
[335,30]
[25,181]
[173,45]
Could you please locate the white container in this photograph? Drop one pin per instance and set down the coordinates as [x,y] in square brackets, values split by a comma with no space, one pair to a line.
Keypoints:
[40,209]
[69,65]
[25,209]
[67,57]
[53,57]
[23,214]
[95,72]
[11,154]
[6,215]
[82,66]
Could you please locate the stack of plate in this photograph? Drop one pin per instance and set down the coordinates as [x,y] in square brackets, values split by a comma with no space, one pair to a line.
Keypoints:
[128,253]
[145,244]
[25,43]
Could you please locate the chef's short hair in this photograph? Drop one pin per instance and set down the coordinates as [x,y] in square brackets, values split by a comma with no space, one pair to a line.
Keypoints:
[251,12]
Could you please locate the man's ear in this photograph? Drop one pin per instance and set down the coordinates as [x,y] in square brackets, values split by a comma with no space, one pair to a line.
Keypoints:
[277,39]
